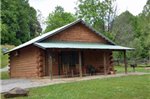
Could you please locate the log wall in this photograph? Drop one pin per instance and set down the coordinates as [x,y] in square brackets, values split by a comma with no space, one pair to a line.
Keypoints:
[79,33]
[27,62]
[96,59]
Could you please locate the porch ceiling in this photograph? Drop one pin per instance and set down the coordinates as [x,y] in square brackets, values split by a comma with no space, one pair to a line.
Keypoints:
[80,45]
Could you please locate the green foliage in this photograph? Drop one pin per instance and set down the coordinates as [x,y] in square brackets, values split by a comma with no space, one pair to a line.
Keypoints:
[143,27]
[4,57]
[4,75]
[97,13]
[18,22]
[58,18]
[124,33]
[129,87]
[133,31]
[137,53]
[123,28]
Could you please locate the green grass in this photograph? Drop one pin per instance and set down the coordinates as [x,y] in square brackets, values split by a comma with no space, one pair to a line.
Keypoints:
[4,75]
[129,87]
[121,69]
[4,58]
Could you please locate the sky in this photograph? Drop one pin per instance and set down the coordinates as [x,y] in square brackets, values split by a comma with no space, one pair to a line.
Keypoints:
[47,6]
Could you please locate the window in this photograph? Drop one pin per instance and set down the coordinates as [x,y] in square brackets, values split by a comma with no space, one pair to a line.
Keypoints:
[69,57]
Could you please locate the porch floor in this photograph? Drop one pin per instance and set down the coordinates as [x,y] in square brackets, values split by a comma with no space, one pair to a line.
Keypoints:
[6,85]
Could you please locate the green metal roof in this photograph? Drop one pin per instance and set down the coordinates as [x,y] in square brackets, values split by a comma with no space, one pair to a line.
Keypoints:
[80,45]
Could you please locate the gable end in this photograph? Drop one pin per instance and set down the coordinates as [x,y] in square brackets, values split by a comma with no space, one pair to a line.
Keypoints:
[78,33]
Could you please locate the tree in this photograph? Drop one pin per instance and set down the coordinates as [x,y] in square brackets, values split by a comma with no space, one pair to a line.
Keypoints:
[124,28]
[143,29]
[133,31]
[98,13]
[19,22]
[58,18]
[124,33]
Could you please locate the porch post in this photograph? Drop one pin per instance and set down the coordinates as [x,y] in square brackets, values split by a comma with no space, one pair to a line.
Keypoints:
[50,65]
[125,61]
[104,56]
[80,64]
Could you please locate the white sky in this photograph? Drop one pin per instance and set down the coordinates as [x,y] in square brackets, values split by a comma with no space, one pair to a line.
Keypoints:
[47,6]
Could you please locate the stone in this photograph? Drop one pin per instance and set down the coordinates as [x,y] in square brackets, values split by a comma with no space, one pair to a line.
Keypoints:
[16,92]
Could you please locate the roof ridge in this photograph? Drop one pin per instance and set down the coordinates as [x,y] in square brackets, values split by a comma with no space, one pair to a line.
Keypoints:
[58,30]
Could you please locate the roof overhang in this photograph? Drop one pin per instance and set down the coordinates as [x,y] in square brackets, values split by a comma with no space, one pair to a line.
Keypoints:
[80,45]
[58,30]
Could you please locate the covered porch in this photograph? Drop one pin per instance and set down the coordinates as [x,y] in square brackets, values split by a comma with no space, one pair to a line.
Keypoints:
[78,59]
[73,63]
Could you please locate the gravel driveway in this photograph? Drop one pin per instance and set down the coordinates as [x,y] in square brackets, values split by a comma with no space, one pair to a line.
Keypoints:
[6,85]
[11,83]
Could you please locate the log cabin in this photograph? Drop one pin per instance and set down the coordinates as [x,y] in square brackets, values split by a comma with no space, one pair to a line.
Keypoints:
[73,50]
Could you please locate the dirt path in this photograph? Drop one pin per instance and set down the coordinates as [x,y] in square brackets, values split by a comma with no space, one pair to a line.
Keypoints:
[29,83]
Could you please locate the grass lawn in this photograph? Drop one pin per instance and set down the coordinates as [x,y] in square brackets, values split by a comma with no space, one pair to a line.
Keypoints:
[4,75]
[4,58]
[129,87]
[121,69]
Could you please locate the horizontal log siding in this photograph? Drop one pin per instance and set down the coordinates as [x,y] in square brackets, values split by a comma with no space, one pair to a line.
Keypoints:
[95,58]
[25,64]
[78,33]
